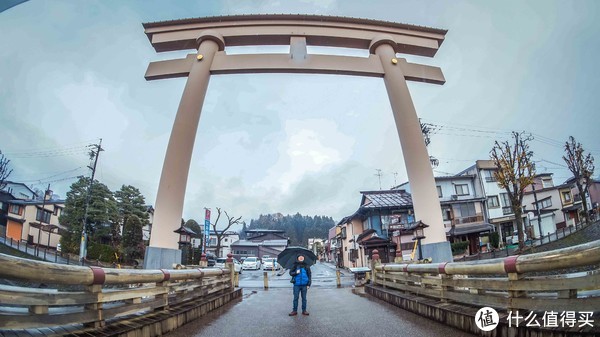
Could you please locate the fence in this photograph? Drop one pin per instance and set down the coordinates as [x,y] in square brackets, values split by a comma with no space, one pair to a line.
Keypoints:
[506,251]
[107,293]
[505,282]
[49,254]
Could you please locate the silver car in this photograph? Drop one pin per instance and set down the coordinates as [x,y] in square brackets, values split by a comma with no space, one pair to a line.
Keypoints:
[237,265]
[251,263]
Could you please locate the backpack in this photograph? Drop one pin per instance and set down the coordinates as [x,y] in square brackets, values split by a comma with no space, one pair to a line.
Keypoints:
[302,278]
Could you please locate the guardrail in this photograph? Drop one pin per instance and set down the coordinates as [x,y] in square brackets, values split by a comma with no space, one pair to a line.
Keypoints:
[506,283]
[96,294]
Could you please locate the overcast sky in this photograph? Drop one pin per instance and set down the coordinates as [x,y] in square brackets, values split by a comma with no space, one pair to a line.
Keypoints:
[72,72]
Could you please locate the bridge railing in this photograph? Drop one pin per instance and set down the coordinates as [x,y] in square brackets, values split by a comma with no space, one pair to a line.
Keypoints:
[92,295]
[536,282]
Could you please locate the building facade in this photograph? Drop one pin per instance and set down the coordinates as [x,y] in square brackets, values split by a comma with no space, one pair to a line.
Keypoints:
[35,221]
[497,203]
[260,242]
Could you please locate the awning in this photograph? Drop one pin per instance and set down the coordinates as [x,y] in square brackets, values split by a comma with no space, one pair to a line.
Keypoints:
[572,208]
[469,229]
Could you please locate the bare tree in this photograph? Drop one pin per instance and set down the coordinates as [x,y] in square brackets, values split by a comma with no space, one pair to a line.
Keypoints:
[515,171]
[582,167]
[230,222]
[4,170]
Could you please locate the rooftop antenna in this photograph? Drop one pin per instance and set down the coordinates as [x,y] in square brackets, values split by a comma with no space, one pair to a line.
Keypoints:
[379,174]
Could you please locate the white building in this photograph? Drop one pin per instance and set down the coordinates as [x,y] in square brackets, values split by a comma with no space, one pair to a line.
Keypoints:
[498,206]
[549,204]
[227,239]
[463,210]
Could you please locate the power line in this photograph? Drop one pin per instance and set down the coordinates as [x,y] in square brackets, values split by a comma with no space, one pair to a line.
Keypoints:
[483,132]
[52,176]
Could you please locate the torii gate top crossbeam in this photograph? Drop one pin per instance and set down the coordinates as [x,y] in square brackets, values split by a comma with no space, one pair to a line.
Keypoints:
[333,31]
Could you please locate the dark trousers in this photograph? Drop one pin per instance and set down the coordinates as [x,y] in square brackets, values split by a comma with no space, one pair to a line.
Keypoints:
[297,291]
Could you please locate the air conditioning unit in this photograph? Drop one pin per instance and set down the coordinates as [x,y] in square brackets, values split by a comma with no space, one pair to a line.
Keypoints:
[454,197]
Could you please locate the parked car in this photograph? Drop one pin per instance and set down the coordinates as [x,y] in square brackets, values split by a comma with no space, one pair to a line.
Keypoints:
[251,262]
[270,264]
[221,262]
[514,239]
[237,265]
[211,259]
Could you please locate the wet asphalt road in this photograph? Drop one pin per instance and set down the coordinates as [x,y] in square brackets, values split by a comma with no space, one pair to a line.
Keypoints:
[333,312]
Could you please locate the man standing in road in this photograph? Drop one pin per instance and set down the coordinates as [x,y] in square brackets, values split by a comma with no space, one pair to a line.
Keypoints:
[301,278]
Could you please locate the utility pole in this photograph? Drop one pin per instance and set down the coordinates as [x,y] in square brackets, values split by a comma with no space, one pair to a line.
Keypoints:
[94,154]
[379,174]
[42,214]
[537,208]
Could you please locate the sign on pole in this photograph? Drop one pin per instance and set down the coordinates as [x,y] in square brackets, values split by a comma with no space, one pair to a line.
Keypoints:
[206,228]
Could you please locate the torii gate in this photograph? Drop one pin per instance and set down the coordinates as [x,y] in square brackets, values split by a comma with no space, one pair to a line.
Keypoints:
[210,35]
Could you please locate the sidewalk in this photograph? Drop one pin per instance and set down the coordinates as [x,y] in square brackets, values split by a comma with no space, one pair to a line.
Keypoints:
[343,271]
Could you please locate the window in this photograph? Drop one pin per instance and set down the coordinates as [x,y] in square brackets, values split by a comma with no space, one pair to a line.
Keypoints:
[464,210]
[547,182]
[505,199]
[55,210]
[566,196]
[43,216]
[544,203]
[447,214]
[462,189]
[15,209]
[493,201]
[439,190]
[489,176]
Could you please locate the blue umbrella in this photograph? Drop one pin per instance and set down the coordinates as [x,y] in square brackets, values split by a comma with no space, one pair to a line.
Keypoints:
[290,255]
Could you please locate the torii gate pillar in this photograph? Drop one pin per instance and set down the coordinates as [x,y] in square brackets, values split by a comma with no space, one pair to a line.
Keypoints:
[163,250]
[418,167]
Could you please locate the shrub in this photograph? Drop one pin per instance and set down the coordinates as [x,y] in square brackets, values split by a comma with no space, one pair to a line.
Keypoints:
[104,253]
[459,247]
[495,239]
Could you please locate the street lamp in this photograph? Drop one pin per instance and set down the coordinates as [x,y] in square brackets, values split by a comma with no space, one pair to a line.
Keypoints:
[419,234]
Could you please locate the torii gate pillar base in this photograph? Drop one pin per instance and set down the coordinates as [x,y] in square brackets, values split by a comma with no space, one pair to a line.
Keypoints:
[161,258]
[438,251]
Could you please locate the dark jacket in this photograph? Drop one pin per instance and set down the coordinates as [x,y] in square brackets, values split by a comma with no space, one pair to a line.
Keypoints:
[298,265]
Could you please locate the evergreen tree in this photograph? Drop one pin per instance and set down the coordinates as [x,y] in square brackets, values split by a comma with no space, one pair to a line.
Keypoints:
[133,244]
[297,227]
[102,214]
[130,201]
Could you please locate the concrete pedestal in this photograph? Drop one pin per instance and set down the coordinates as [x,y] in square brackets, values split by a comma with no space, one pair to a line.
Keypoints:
[161,258]
[438,252]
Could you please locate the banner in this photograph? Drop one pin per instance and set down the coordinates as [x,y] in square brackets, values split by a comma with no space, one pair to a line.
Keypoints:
[206,229]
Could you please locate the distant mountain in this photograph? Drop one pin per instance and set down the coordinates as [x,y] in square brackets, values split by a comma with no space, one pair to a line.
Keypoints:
[298,227]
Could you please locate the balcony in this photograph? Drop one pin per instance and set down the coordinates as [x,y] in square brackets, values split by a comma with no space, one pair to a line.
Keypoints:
[468,219]
[507,210]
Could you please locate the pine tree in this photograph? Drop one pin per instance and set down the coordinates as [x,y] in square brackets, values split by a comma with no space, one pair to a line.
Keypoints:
[102,214]
[133,244]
